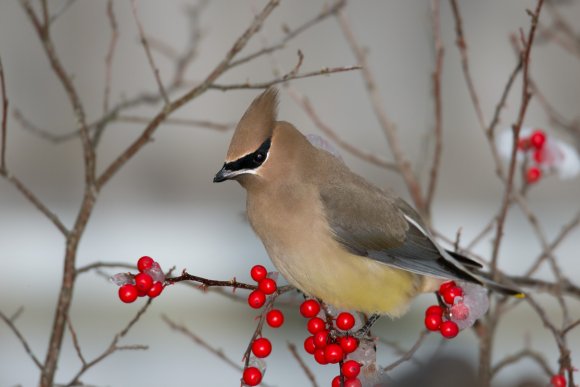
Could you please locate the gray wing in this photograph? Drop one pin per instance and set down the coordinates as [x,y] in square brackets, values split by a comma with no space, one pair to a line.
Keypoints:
[372,224]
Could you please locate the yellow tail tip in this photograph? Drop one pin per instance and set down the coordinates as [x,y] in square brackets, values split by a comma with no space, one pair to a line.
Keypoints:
[520,295]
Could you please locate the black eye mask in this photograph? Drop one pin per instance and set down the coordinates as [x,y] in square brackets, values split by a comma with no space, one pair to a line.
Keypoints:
[252,160]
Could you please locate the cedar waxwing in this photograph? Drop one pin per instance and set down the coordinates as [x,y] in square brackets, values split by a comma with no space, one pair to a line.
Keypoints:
[329,232]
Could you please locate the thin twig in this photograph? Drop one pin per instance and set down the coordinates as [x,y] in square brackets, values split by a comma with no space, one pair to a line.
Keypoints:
[523,354]
[75,339]
[4,120]
[145,44]
[198,340]
[386,124]
[285,78]
[221,67]
[347,146]
[110,54]
[303,366]
[113,346]
[407,355]
[179,121]
[21,338]
[438,126]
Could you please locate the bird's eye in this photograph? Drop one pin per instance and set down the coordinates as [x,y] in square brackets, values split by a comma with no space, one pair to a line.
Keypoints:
[259,157]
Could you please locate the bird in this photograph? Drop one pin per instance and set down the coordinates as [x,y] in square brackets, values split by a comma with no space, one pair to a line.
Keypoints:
[331,233]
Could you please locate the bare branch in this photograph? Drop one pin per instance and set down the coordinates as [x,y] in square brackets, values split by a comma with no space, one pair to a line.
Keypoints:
[408,355]
[180,121]
[199,341]
[387,126]
[285,78]
[523,354]
[223,66]
[110,54]
[145,44]
[4,120]
[347,146]
[305,368]
[438,128]
[21,338]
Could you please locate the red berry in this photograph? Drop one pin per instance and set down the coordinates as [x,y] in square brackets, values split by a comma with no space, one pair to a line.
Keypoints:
[558,381]
[537,139]
[309,345]
[533,175]
[352,383]
[336,381]
[315,325]
[256,299]
[267,285]
[128,293]
[261,347]
[446,285]
[523,144]
[144,263]
[449,329]
[433,322]
[309,308]
[143,281]
[275,318]
[155,290]
[434,309]
[450,294]
[252,376]
[320,357]
[350,369]
[348,344]
[539,156]
[345,321]
[333,353]
[321,338]
[141,293]
[258,273]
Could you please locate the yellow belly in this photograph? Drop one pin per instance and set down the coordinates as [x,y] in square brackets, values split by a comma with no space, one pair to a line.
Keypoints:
[347,281]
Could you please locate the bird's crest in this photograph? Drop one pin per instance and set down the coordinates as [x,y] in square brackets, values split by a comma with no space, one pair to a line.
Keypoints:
[255,126]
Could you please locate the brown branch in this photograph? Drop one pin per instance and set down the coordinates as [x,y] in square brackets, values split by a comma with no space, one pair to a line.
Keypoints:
[179,121]
[4,126]
[221,67]
[199,341]
[88,201]
[99,265]
[387,126]
[285,78]
[113,346]
[570,327]
[462,45]
[12,326]
[407,355]
[110,54]
[32,198]
[291,34]
[438,128]
[145,44]
[302,364]
[75,340]
[345,145]
[206,282]
[523,354]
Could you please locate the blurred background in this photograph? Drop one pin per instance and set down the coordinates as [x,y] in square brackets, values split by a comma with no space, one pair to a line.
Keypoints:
[163,202]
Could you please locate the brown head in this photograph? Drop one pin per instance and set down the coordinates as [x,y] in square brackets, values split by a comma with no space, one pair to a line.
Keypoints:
[263,148]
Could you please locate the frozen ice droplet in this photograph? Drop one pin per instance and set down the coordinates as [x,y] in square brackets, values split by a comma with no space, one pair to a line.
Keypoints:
[156,273]
[121,279]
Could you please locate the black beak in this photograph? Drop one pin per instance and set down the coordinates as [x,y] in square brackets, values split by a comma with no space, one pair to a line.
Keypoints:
[222,175]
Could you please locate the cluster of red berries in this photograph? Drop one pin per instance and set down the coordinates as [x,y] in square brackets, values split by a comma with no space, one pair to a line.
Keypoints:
[558,380]
[261,346]
[437,317]
[534,144]
[330,349]
[142,284]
